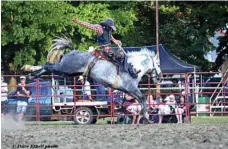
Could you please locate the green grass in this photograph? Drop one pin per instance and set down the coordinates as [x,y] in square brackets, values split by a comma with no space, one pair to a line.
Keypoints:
[210,120]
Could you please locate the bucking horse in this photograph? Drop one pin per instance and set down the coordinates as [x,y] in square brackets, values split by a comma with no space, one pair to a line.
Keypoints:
[103,71]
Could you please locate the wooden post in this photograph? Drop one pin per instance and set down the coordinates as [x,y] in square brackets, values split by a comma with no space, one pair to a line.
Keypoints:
[158,92]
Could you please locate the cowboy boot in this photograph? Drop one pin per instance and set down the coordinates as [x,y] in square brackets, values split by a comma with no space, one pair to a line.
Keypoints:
[88,68]
[133,71]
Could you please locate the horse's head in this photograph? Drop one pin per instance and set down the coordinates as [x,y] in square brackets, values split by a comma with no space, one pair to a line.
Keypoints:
[156,72]
[147,62]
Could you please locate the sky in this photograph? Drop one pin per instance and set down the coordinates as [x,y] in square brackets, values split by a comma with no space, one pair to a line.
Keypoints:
[211,56]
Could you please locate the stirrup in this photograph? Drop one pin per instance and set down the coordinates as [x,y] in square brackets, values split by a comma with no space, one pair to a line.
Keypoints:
[137,72]
[81,78]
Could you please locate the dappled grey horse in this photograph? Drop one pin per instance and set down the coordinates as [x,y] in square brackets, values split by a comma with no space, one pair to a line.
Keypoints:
[105,72]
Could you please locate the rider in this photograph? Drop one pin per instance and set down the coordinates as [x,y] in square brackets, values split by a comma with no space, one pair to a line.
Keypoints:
[104,38]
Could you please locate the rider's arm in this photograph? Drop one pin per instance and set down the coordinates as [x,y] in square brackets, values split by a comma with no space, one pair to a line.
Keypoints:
[95,27]
[27,92]
[117,42]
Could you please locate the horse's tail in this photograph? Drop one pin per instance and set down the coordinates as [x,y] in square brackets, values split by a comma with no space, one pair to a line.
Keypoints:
[58,47]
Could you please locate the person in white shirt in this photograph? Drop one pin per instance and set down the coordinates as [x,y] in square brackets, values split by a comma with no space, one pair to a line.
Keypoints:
[4,91]
[166,106]
[164,109]
[171,101]
[23,93]
[86,90]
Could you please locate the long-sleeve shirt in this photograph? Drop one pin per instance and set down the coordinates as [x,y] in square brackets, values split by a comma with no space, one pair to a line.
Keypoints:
[4,90]
[86,88]
[95,27]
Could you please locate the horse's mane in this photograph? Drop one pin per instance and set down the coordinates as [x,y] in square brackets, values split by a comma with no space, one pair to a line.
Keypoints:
[143,51]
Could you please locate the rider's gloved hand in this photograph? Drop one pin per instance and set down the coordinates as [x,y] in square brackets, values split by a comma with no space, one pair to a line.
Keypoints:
[111,54]
[119,42]
[75,19]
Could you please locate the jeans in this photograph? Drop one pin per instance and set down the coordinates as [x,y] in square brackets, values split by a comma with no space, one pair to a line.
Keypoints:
[100,90]
[3,106]
[85,97]
[21,106]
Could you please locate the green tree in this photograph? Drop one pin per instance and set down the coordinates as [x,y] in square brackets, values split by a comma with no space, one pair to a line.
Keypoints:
[184,28]
[188,25]
[29,27]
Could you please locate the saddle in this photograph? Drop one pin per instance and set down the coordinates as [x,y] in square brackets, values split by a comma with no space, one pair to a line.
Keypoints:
[100,55]
[120,61]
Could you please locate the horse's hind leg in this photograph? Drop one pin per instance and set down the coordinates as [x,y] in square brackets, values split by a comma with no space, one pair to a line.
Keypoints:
[48,67]
[38,74]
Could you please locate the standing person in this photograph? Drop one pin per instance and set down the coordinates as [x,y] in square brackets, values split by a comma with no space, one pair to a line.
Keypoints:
[86,90]
[104,37]
[23,94]
[4,91]
[100,91]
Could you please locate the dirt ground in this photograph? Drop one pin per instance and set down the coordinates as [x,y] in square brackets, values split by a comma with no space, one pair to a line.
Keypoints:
[187,136]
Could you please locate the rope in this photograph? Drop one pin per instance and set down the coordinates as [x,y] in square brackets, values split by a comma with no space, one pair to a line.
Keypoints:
[116,82]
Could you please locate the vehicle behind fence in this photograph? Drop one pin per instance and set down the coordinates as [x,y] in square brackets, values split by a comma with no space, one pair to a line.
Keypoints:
[57,98]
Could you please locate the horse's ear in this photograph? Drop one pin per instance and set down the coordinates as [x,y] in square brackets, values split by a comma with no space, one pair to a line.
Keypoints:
[153,54]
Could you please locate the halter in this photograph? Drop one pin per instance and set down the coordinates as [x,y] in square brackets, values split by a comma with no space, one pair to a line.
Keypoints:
[151,70]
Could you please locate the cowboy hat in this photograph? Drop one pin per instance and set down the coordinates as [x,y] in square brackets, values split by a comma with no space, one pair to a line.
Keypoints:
[110,23]
[22,77]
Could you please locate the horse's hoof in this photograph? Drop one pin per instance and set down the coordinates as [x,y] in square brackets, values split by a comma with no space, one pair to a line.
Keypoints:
[137,72]
[81,78]
[147,121]
[26,68]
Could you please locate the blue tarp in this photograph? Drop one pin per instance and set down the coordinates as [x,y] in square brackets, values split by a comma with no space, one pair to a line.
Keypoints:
[169,62]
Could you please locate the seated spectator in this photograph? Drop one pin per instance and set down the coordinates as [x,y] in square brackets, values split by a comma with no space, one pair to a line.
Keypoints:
[133,107]
[153,106]
[23,94]
[86,90]
[171,101]
[180,109]
[4,90]
[164,109]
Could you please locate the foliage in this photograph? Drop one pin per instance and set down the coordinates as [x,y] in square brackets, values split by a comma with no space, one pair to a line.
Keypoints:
[28,27]
[186,32]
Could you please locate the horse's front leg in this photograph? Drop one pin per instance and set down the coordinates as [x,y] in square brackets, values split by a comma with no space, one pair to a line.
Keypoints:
[36,71]
[142,100]
[39,73]
[145,108]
